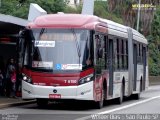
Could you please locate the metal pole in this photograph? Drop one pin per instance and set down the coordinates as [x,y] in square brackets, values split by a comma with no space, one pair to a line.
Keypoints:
[138,16]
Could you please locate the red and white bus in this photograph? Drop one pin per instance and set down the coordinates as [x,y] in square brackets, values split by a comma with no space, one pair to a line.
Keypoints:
[81,57]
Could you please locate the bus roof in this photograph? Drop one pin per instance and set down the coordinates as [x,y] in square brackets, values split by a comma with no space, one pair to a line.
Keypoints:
[122,31]
[85,22]
[64,21]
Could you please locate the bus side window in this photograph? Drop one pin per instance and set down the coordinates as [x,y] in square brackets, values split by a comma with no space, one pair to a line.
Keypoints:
[100,57]
[100,46]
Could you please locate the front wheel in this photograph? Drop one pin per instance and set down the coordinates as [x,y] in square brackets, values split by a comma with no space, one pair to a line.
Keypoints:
[100,104]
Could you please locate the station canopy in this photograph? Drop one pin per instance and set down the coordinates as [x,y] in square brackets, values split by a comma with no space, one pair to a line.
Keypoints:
[10,27]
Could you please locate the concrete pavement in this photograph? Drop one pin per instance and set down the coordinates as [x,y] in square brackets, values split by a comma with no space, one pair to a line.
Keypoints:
[9,102]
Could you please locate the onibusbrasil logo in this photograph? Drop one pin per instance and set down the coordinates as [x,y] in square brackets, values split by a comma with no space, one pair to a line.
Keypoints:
[143,6]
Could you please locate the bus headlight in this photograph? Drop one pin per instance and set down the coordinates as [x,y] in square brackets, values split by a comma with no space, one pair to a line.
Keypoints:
[86,79]
[26,78]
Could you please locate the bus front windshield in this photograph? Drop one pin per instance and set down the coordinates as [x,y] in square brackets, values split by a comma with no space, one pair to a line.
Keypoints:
[59,49]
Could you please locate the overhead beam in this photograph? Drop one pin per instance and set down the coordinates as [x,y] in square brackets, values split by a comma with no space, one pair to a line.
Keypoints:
[13,20]
[34,11]
[88,7]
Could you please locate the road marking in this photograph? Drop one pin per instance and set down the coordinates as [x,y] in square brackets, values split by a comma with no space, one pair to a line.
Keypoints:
[120,108]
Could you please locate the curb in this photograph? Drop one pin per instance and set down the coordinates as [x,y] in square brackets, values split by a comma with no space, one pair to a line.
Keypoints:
[154,83]
[5,105]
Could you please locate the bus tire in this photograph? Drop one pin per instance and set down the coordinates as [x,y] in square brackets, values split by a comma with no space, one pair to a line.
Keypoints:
[42,103]
[100,104]
[137,95]
[120,99]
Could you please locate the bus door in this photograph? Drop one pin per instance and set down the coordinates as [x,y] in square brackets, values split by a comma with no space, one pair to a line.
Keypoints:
[99,57]
[144,67]
[110,64]
[135,66]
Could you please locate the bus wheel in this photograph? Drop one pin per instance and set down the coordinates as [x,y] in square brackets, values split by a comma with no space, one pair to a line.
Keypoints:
[99,104]
[42,103]
[120,99]
[137,95]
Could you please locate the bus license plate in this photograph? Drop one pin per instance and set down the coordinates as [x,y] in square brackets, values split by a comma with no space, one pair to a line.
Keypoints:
[55,96]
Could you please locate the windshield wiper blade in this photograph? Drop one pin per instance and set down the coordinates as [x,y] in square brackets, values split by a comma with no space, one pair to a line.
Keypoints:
[41,32]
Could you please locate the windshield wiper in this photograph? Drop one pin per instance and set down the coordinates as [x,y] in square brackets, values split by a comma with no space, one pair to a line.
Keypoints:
[77,44]
[41,32]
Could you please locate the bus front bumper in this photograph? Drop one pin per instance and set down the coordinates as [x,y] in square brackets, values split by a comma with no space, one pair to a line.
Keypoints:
[80,92]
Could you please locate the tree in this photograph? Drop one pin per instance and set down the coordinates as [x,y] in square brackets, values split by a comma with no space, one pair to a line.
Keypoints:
[123,9]
[101,10]
[154,45]
[20,8]
[129,15]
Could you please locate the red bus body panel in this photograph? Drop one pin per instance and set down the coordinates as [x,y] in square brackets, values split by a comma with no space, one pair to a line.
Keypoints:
[51,79]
